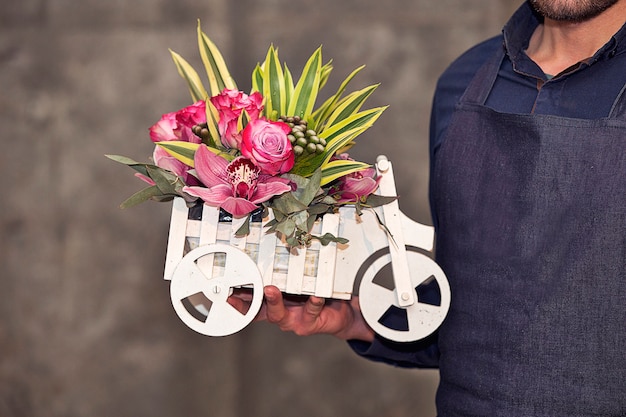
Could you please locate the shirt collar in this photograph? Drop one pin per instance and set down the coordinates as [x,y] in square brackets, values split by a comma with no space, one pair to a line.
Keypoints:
[522,24]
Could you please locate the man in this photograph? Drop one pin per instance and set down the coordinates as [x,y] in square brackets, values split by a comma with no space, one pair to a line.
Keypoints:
[528,192]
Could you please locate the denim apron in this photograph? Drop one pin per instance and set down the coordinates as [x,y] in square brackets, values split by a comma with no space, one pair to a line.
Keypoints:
[532,224]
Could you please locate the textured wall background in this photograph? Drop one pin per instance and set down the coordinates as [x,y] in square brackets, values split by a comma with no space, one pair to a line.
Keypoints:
[86,328]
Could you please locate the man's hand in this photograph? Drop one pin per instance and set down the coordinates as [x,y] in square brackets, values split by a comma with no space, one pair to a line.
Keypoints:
[306,316]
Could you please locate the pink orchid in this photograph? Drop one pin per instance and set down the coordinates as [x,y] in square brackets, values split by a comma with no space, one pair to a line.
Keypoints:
[230,104]
[238,187]
[355,186]
[164,160]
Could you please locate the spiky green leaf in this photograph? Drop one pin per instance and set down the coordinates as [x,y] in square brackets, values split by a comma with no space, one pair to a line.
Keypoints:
[321,114]
[216,69]
[273,84]
[257,79]
[307,88]
[350,105]
[197,90]
[185,151]
[212,117]
[333,170]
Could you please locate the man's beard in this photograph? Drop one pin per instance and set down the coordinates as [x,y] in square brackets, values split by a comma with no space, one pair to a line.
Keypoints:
[571,10]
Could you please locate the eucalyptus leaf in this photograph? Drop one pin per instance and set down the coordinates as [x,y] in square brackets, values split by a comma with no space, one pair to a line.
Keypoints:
[319,208]
[300,219]
[287,204]
[286,227]
[375,200]
[244,229]
[141,196]
[328,238]
[311,222]
[164,180]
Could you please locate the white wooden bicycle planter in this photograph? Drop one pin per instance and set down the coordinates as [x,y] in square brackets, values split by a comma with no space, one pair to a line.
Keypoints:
[205,262]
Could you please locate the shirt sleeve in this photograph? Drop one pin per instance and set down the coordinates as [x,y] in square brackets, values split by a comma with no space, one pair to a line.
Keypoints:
[421,354]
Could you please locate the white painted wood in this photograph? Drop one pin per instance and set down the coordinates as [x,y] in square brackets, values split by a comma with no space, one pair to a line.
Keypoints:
[397,248]
[208,236]
[327,258]
[176,237]
[295,273]
[332,271]
[267,251]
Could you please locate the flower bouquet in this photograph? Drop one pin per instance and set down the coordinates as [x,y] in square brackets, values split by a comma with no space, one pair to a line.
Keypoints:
[264,193]
[270,149]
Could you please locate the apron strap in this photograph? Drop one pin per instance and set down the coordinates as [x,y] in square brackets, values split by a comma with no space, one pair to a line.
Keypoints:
[618,111]
[479,88]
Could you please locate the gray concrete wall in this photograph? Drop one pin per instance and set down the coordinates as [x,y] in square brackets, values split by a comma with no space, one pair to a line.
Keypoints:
[86,326]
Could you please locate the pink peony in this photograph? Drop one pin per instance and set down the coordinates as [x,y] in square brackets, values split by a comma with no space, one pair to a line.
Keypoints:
[177,126]
[237,187]
[229,105]
[266,144]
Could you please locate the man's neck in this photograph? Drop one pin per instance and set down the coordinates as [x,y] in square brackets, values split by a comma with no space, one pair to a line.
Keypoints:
[555,46]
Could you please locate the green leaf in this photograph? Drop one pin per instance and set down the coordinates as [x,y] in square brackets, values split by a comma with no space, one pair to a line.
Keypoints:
[165,180]
[328,238]
[307,193]
[287,204]
[300,219]
[141,196]
[325,73]
[320,208]
[273,84]
[216,69]
[307,88]
[350,105]
[257,79]
[212,117]
[375,200]
[185,151]
[340,167]
[337,137]
[289,88]
[137,166]
[286,227]
[244,229]
[311,222]
[322,113]
[197,90]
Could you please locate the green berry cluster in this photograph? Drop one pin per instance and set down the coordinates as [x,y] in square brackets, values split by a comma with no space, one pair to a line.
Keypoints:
[201,130]
[303,140]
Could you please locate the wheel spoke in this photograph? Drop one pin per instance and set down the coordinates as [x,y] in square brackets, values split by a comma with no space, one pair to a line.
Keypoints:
[424,315]
[194,280]
[379,299]
[224,318]
[237,274]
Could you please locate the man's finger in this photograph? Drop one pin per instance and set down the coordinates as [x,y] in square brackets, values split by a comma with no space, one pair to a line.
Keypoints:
[313,307]
[275,310]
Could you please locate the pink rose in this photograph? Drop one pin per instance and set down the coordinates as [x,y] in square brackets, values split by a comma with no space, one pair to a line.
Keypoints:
[229,105]
[266,144]
[355,186]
